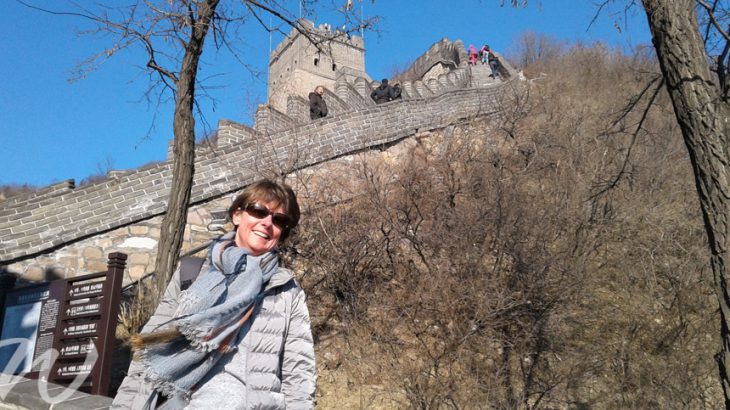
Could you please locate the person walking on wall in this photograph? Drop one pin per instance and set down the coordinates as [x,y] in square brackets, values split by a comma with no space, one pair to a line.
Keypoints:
[239,337]
[473,54]
[397,92]
[383,93]
[484,53]
[493,63]
[317,105]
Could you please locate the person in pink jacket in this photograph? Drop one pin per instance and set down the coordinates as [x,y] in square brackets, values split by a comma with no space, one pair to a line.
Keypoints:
[473,54]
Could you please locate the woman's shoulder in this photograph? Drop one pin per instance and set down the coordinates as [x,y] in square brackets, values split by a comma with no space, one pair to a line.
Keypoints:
[284,281]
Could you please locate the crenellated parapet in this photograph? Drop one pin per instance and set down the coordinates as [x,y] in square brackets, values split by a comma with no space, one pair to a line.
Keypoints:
[442,57]
[49,192]
[123,214]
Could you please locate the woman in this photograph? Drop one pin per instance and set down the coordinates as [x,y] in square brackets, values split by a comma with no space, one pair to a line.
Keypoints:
[240,336]
[317,105]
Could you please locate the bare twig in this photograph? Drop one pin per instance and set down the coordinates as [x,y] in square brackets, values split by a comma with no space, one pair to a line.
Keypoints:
[614,182]
[713,20]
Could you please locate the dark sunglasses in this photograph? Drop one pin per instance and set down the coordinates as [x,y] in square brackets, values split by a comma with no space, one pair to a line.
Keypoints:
[259,211]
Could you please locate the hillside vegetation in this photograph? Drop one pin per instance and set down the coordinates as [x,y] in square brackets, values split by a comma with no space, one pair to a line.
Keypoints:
[550,256]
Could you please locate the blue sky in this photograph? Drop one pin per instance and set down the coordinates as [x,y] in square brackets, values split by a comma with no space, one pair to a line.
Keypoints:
[52,129]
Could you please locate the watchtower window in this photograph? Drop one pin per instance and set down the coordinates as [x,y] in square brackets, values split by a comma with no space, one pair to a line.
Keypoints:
[334,66]
[316,61]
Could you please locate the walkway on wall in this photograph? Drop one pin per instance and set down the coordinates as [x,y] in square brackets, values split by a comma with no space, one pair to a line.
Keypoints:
[481,75]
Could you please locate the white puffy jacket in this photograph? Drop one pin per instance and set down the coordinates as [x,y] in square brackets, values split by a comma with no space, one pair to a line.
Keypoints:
[273,367]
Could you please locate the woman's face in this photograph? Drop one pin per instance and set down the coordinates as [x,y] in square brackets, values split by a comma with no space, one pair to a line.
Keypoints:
[257,235]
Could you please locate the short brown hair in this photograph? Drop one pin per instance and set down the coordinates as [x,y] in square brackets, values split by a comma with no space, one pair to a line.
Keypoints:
[269,191]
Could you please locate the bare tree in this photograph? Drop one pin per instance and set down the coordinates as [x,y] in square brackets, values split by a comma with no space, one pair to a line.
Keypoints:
[702,113]
[173,35]
[532,48]
[701,109]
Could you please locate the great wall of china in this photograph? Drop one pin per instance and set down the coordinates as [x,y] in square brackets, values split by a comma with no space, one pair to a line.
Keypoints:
[65,231]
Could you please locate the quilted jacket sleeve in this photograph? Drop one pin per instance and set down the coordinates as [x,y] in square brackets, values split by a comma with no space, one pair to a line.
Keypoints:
[134,392]
[298,374]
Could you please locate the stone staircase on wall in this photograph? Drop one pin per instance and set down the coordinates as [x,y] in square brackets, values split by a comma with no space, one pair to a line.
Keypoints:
[352,93]
[481,75]
[279,143]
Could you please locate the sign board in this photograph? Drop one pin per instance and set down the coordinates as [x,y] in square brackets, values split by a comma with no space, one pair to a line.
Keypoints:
[30,320]
[75,318]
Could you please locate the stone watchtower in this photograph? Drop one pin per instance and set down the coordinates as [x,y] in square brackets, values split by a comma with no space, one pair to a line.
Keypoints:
[297,66]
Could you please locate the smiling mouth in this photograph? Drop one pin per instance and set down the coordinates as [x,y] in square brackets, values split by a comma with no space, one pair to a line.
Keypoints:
[261,234]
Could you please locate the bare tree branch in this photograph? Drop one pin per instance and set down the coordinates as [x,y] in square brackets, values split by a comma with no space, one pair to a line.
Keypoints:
[713,20]
[614,182]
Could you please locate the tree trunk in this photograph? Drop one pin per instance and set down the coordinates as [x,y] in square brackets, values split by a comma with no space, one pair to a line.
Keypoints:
[173,224]
[702,116]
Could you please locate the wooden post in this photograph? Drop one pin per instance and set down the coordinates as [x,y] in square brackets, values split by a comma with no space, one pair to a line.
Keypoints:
[106,342]
[88,311]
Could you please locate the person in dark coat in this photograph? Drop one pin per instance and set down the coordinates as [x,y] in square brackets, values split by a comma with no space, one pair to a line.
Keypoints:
[397,93]
[317,105]
[383,93]
[493,62]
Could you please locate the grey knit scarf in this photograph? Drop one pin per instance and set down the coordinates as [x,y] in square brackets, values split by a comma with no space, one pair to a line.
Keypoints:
[208,318]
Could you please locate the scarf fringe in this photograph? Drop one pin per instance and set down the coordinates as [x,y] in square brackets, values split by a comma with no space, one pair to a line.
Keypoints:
[196,337]
[141,340]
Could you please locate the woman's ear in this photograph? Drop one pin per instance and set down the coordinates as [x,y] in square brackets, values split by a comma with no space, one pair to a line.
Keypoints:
[236,218]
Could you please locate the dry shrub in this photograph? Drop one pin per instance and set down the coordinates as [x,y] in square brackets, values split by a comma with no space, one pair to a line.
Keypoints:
[137,306]
[10,190]
[542,257]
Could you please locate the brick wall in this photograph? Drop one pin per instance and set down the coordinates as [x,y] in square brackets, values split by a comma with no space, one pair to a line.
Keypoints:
[269,119]
[347,93]
[62,230]
[297,107]
[443,52]
[335,105]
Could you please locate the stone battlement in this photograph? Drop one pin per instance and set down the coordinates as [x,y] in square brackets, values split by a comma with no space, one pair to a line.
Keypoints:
[322,32]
